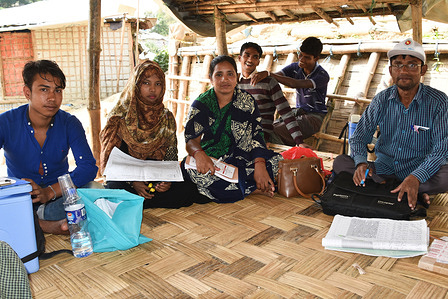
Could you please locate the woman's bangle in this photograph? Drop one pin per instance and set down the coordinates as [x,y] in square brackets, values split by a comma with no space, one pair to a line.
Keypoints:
[269,73]
[198,150]
[54,192]
[259,161]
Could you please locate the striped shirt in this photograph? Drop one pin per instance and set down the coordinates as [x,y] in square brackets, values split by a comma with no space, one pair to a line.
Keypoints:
[412,141]
[269,96]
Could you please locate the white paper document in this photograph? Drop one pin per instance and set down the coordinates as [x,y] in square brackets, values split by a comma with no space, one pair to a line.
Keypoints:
[122,167]
[378,237]
[223,170]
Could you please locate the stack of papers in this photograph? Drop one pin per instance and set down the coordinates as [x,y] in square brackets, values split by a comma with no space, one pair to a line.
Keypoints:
[378,237]
[436,259]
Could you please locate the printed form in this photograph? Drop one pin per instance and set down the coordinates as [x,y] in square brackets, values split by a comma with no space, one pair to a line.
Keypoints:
[122,167]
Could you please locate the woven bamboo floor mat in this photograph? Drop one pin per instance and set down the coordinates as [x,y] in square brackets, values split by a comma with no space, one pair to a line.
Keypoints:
[259,247]
[256,248]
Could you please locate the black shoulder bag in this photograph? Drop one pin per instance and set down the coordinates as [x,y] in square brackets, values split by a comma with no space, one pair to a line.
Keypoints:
[374,200]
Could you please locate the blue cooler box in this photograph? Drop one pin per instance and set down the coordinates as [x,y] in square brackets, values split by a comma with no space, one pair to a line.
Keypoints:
[17,222]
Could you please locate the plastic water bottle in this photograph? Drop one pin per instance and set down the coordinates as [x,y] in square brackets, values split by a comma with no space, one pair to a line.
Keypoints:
[76,218]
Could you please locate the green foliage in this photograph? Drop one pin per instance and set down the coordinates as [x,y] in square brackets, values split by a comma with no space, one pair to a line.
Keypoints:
[163,22]
[152,47]
[13,3]
[162,28]
[162,58]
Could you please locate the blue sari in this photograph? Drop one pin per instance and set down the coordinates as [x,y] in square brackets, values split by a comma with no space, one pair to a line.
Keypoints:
[233,133]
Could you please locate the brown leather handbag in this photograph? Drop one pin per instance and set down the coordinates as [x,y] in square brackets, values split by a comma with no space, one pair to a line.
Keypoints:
[300,177]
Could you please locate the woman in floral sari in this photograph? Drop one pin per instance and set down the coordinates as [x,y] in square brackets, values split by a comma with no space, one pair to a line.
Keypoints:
[224,123]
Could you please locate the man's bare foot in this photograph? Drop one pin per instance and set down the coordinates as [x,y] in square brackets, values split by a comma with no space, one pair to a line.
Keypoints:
[59,227]
[269,193]
[426,198]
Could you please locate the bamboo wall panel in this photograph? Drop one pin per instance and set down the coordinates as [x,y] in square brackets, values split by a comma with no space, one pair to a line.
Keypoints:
[361,72]
[68,47]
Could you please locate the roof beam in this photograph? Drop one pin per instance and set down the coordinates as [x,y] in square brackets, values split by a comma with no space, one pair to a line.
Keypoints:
[251,17]
[365,10]
[324,15]
[291,14]
[272,15]
[341,11]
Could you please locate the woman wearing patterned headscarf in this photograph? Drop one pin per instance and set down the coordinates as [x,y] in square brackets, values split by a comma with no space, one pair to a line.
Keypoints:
[140,126]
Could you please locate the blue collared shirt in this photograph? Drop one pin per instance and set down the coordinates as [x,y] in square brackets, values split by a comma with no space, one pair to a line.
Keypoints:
[403,149]
[24,154]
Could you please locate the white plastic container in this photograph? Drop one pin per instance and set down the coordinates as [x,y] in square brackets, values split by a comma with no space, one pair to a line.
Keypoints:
[17,222]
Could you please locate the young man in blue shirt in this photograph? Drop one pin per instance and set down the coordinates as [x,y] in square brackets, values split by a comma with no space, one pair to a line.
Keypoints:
[36,139]
[310,81]
[413,121]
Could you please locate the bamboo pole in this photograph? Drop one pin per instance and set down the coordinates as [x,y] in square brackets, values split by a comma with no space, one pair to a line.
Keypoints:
[340,75]
[372,64]
[365,47]
[172,82]
[292,57]
[267,63]
[183,91]
[136,53]
[220,29]
[94,106]
[120,60]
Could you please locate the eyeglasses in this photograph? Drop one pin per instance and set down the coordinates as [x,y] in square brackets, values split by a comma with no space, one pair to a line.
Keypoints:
[409,67]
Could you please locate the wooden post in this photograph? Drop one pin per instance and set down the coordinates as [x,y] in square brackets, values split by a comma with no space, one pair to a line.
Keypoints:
[417,14]
[205,68]
[94,106]
[220,30]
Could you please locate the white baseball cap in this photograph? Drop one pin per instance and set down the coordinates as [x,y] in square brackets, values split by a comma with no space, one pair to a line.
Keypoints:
[408,47]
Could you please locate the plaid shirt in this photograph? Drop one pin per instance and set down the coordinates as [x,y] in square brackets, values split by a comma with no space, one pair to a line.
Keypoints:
[14,281]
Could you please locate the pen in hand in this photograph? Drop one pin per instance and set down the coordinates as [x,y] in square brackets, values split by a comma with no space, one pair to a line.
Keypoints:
[365,176]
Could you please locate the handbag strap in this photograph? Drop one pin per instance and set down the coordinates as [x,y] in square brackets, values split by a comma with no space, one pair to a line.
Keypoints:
[294,171]
[344,133]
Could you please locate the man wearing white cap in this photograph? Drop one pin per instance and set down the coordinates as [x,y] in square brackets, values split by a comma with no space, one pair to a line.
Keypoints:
[413,121]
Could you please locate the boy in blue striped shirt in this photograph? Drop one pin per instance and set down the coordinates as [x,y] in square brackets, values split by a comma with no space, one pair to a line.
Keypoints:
[413,121]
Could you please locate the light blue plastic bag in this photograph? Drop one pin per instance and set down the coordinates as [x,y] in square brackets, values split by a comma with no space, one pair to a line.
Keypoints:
[120,232]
